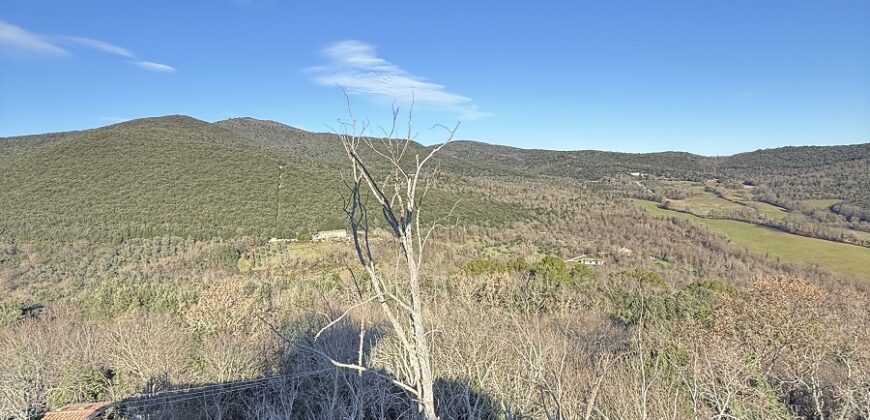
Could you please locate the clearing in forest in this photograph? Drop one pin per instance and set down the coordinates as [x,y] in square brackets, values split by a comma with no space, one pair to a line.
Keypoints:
[851,261]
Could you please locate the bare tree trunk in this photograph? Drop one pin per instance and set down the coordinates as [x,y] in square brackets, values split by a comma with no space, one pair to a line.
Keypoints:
[401,210]
[420,340]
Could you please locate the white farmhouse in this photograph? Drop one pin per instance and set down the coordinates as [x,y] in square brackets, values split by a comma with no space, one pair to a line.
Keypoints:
[591,261]
[326,235]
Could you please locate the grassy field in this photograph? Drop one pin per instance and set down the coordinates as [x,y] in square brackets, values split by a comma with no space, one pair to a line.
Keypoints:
[772,212]
[690,187]
[742,195]
[704,203]
[849,260]
[823,204]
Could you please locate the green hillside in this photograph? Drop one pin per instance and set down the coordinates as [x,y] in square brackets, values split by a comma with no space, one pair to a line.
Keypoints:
[794,173]
[808,172]
[180,176]
[585,164]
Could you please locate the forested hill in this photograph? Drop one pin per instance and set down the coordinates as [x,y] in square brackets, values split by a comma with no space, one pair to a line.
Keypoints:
[808,172]
[585,164]
[177,175]
[792,173]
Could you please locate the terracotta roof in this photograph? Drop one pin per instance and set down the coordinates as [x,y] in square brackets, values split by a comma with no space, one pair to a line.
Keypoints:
[82,411]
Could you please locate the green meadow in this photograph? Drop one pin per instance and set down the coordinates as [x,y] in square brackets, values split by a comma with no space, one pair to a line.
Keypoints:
[772,212]
[822,204]
[849,260]
[704,203]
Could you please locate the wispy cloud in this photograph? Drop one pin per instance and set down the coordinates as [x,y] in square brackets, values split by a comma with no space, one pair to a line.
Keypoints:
[162,68]
[356,67]
[18,41]
[99,45]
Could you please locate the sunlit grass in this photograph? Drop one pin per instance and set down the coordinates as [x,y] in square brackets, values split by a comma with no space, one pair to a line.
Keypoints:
[822,204]
[704,203]
[849,260]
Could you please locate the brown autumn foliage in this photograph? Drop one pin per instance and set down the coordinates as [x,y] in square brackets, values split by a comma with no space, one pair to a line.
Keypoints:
[700,330]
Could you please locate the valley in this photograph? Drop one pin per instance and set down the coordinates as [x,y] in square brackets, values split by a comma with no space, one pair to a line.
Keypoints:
[166,253]
[848,260]
[549,210]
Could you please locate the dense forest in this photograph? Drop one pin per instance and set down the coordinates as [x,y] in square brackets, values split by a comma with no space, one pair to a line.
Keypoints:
[177,176]
[135,260]
[245,177]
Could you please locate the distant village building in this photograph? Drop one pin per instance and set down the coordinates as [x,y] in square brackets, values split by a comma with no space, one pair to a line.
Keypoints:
[585,260]
[280,240]
[326,235]
[591,261]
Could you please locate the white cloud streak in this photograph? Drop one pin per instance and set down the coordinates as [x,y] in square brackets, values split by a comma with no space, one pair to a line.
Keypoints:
[18,41]
[161,68]
[100,45]
[355,66]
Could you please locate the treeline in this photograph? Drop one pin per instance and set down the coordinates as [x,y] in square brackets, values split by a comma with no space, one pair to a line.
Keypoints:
[794,223]
[839,214]
[851,213]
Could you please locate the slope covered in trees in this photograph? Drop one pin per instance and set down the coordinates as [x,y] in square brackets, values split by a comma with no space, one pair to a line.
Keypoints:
[179,176]
[796,173]
[809,172]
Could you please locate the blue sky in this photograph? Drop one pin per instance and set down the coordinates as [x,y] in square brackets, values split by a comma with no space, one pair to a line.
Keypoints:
[710,77]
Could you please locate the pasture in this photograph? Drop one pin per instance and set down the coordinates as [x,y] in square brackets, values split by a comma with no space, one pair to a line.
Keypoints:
[850,261]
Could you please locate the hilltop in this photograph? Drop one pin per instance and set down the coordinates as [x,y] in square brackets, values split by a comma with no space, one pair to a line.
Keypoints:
[170,175]
[176,175]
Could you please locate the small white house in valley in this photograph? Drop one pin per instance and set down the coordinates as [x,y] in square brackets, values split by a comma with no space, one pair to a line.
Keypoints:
[326,235]
[591,261]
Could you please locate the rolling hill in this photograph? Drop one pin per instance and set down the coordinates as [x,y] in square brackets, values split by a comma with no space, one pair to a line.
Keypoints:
[180,176]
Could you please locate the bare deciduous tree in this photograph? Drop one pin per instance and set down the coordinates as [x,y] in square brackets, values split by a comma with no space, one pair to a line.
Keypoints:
[400,196]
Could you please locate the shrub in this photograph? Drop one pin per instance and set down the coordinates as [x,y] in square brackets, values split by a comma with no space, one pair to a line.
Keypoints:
[642,278]
[10,311]
[580,273]
[518,264]
[551,268]
[483,266]
[641,296]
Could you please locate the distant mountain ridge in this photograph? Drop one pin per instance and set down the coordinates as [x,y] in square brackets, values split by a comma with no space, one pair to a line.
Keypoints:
[176,175]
